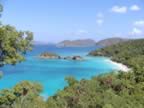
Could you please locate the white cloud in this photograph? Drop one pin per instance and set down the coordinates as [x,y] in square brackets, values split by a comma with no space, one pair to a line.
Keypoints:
[100,15]
[138,28]
[99,21]
[134,8]
[125,9]
[139,23]
[136,31]
[100,18]
[119,9]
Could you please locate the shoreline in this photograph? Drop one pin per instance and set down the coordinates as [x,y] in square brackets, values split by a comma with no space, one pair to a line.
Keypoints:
[120,66]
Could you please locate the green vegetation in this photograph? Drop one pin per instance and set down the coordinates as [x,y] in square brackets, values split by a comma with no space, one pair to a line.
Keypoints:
[23,95]
[130,53]
[13,44]
[114,90]
[48,55]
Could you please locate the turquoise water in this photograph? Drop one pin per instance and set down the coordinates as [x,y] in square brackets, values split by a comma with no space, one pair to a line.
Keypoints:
[51,73]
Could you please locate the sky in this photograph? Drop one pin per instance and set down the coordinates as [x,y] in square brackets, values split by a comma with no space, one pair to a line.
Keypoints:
[57,20]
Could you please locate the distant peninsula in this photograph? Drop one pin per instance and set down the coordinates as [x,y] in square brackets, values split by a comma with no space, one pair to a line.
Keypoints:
[91,42]
[77,43]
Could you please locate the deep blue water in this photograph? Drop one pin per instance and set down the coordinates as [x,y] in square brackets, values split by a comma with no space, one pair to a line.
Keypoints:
[51,73]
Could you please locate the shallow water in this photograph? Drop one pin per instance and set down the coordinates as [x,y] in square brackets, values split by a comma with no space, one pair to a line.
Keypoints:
[51,73]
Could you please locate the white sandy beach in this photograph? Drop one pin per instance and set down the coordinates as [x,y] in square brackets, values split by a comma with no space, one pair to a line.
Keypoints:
[120,66]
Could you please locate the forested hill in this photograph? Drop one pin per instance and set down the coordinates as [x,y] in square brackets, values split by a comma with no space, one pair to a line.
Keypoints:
[111,41]
[130,53]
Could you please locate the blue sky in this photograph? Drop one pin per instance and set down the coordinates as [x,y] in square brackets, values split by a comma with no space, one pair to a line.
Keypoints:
[56,20]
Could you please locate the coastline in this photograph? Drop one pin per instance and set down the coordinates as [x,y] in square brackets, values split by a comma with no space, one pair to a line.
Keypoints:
[120,66]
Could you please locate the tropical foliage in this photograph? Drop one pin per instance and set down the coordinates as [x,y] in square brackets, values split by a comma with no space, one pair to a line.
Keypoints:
[114,90]
[13,44]
[23,95]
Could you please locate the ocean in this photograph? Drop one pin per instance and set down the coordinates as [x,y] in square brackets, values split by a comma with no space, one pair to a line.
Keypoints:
[51,73]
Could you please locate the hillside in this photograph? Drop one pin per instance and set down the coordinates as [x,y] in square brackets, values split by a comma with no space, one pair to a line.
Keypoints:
[127,52]
[76,43]
[111,41]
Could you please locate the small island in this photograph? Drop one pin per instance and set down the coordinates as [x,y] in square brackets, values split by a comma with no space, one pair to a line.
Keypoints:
[49,55]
